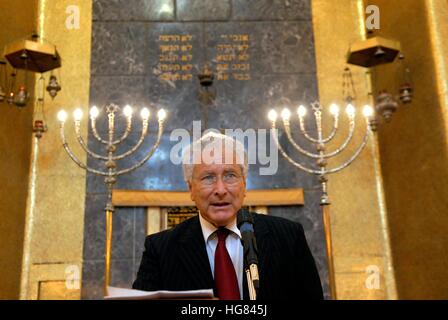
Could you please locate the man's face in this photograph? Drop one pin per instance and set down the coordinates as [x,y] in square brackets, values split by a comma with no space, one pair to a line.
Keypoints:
[218,191]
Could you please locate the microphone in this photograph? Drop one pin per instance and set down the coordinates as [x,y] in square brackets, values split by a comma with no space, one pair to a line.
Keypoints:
[245,223]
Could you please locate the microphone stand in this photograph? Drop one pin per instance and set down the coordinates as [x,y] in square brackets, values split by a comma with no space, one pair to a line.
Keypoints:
[248,240]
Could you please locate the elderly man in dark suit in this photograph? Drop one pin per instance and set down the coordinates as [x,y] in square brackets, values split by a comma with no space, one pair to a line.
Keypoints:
[206,251]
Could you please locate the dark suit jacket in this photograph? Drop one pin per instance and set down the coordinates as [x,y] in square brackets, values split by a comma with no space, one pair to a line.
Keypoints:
[177,259]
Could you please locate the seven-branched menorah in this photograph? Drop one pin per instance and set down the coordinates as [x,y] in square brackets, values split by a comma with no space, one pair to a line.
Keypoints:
[321,156]
[110,160]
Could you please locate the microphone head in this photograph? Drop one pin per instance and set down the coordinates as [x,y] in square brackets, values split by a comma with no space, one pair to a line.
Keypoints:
[243,216]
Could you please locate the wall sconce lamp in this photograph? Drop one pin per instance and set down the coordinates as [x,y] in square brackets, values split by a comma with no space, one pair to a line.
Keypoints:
[376,51]
[29,55]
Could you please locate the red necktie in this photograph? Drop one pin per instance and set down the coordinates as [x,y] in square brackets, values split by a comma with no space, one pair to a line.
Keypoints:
[225,276]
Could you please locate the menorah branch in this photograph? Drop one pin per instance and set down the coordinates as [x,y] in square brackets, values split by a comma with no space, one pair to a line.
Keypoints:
[149,155]
[74,158]
[355,155]
[282,151]
[127,131]
[84,146]
[311,139]
[137,145]
[95,132]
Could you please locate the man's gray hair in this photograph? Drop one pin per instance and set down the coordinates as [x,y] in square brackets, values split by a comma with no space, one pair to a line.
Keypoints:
[213,141]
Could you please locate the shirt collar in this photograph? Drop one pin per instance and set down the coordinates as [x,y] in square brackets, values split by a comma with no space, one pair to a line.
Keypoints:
[208,229]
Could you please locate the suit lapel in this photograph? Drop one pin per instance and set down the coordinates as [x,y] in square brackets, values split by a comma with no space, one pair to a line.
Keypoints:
[193,255]
[264,242]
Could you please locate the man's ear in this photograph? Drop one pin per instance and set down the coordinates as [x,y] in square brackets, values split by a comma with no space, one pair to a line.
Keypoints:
[190,188]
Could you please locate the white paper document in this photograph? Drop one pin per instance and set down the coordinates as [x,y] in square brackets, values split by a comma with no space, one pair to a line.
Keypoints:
[115,293]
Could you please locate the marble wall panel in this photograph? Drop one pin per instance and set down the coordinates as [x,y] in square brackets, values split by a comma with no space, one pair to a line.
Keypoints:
[203,10]
[95,224]
[93,277]
[310,217]
[128,236]
[271,9]
[118,48]
[137,10]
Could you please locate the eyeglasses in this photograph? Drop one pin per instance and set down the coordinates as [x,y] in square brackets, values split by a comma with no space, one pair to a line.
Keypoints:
[229,178]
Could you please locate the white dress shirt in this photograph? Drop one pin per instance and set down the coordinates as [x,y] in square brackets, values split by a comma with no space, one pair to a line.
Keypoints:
[233,245]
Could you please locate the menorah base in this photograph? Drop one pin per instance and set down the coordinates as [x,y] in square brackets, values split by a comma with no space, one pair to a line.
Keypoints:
[107,256]
[329,247]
